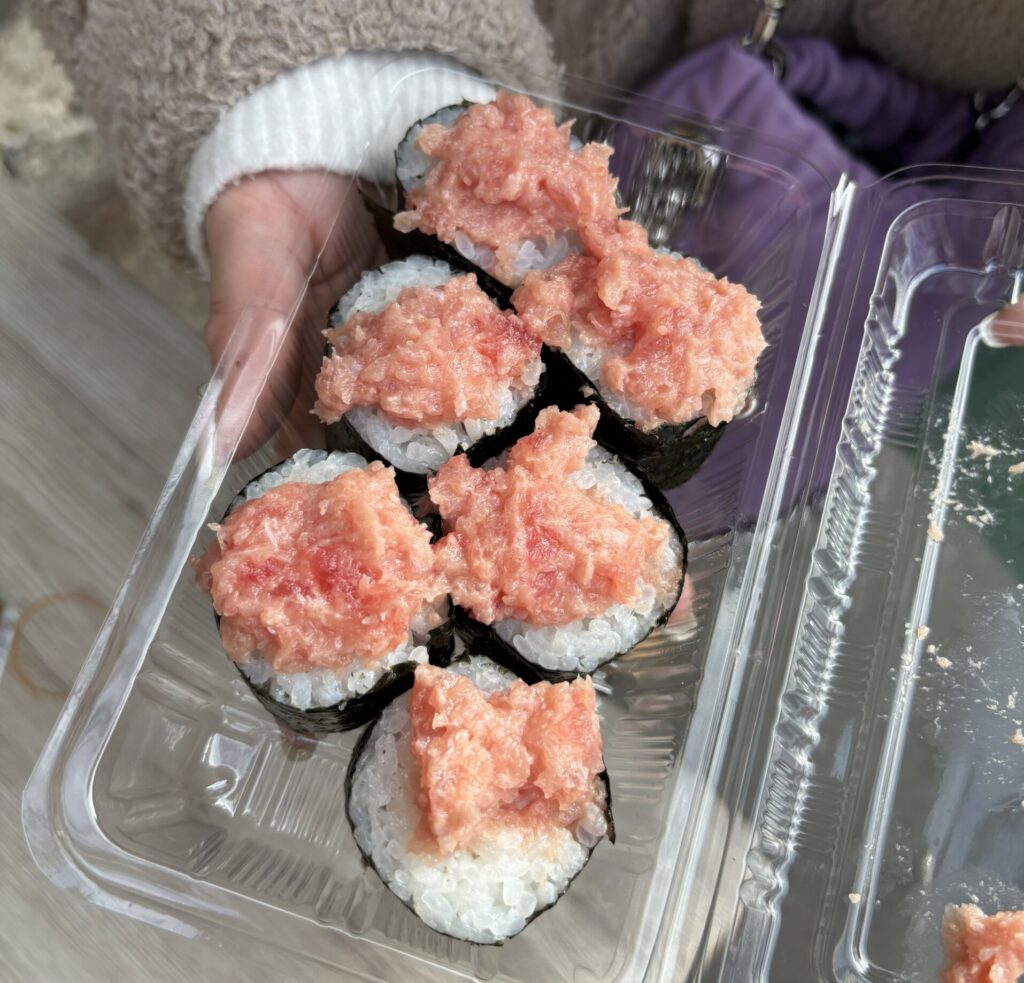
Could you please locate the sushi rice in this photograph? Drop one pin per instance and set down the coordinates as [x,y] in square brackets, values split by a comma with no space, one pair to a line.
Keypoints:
[422,450]
[590,360]
[667,454]
[486,894]
[327,687]
[584,645]
[413,166]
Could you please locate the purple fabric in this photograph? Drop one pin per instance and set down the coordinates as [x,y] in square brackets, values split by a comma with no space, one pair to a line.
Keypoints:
[1001,143]
[883,113]
[888,113]
[723,82]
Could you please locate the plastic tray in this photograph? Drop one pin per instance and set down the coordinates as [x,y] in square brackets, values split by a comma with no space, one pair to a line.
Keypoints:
[788,745]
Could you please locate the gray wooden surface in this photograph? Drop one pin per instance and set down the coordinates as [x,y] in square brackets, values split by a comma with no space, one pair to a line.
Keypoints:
[97,385]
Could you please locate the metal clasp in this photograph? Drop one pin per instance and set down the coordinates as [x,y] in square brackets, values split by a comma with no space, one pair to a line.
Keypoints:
[986,114]
[760,39]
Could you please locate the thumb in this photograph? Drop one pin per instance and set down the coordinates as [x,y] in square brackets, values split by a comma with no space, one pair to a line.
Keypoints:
[1006,327]
[263,248]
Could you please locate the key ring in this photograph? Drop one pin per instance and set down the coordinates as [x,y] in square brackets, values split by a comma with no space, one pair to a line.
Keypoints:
[986,114]
[760,39]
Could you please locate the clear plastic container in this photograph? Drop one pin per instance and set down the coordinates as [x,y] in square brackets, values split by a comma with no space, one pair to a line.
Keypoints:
[799,782]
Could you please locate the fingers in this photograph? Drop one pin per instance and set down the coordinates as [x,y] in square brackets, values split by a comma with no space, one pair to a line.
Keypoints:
[280,245]
[683,613]
[260,259]
[1007,326]
[301,428]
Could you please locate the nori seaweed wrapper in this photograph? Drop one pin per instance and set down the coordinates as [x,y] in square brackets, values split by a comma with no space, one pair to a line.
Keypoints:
[482,639]
[406,243]
[359,710]
[360,749]
[342,436]
[402,245]
[667,455]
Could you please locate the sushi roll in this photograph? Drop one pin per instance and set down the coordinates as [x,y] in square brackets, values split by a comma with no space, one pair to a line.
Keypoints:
[325,590]
[558,556]
[454,801]
[667,350]
[504,186]
[421,364]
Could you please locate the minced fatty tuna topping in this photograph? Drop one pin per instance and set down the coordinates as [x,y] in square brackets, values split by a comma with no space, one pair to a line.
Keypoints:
[318,576]
[680,343]
[528,757]
[524,542]
[436,355]
[507,173]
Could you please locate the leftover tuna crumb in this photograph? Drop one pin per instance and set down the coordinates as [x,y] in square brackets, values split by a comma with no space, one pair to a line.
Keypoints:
[979,449]
[923,632]
[934,533]
[854,898]
[931,650]
[942,662]
[1017,468]
[1018,737]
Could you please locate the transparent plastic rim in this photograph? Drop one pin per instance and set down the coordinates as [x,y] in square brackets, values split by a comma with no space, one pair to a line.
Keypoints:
[63,834]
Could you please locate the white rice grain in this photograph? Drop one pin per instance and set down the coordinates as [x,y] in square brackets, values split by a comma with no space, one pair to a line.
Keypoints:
[413,163]
[375,289]
[485,894]
[590,360]
[422,450]
[413,166]
[585,644]
[327,687]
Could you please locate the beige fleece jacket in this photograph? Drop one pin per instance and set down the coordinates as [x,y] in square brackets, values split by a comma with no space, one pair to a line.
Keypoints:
[159,74]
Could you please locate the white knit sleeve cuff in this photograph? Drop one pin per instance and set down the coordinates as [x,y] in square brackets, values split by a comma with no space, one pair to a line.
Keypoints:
[341,114]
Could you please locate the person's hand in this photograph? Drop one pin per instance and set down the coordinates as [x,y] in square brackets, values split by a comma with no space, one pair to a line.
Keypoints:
[1006,327]
[283,247]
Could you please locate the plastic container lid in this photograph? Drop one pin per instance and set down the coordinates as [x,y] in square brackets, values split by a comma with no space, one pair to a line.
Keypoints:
[805,768]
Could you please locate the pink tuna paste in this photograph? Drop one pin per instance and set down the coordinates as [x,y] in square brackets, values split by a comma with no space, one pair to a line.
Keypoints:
[320,575]
[523,542]
[528,758]
[506,173]
[982,948]
[680,342]
[435,355]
